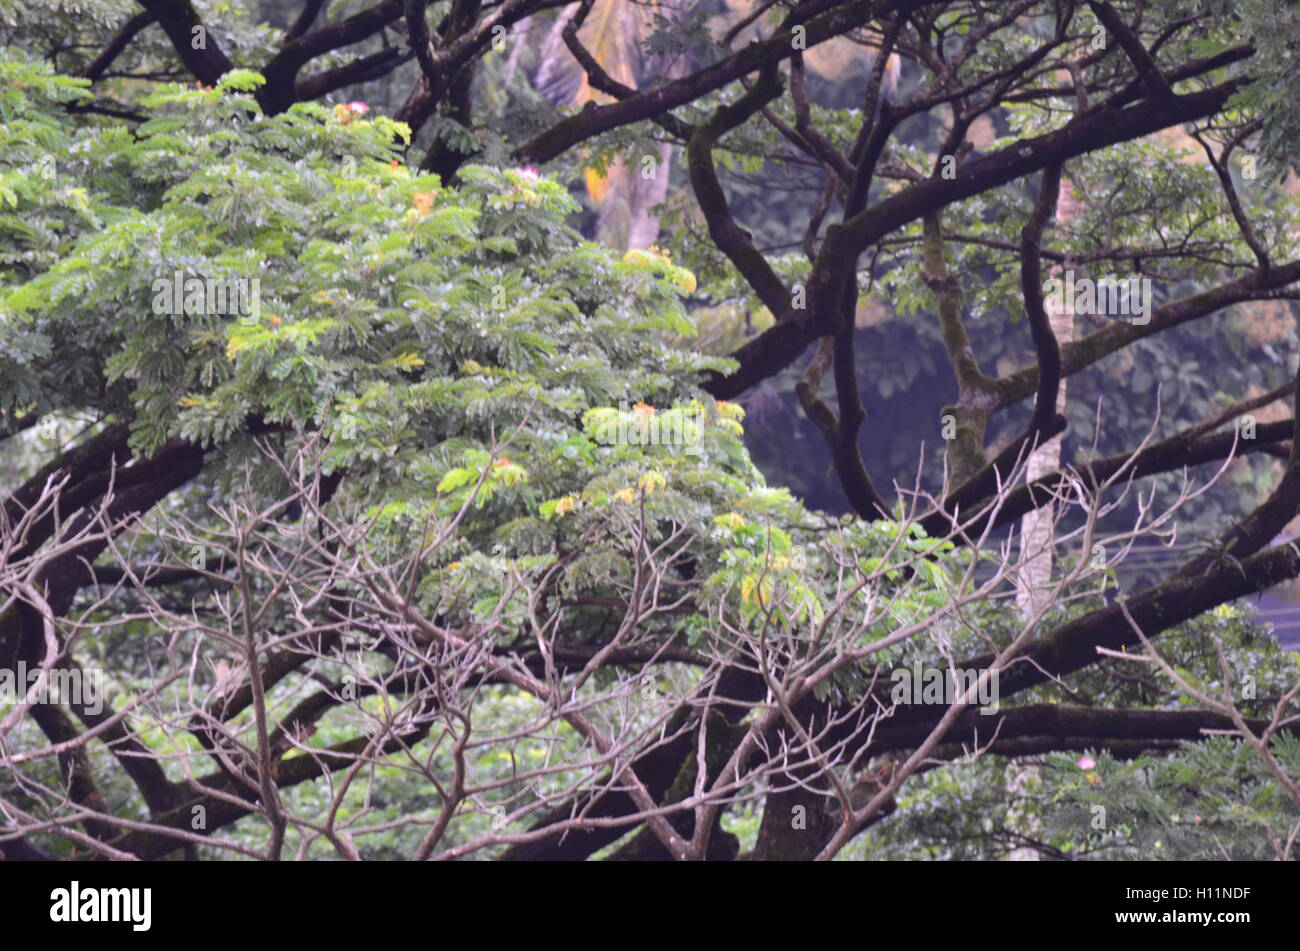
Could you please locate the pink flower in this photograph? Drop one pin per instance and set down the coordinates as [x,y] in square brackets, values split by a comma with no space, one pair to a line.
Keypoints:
[1087,762]
[347,113]
[528,172]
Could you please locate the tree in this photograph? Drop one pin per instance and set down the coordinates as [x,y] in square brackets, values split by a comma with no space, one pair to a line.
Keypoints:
[326,402]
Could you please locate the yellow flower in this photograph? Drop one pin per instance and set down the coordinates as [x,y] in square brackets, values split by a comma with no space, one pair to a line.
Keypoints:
[731,520]
[728,410]
[754,593]
[652,482]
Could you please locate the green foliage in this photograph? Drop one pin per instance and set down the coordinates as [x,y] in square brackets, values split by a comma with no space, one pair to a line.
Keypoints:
[459,351]
[1210,800]
[467,360]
